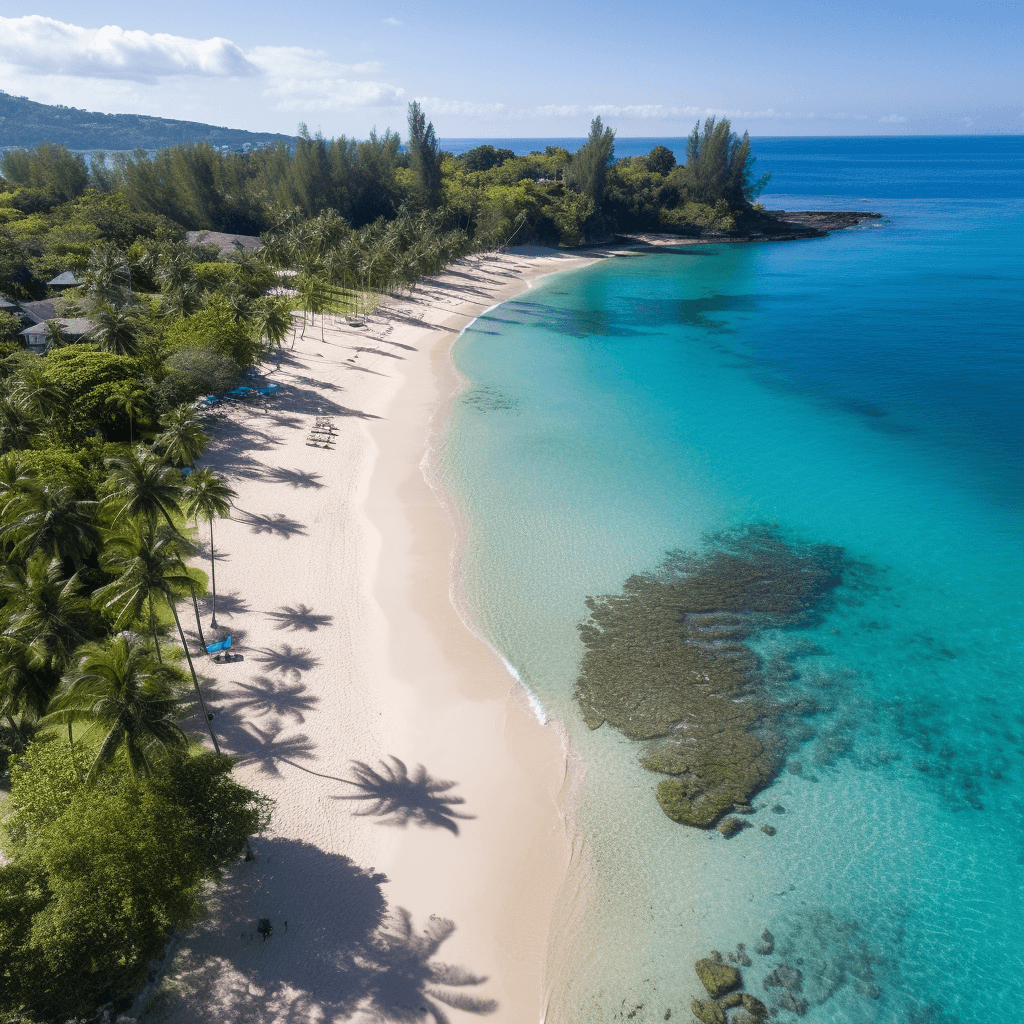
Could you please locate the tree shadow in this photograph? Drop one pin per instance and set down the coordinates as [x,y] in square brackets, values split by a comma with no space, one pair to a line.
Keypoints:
[286,660]
[267,696]
[231,603]
[300,617]
[276,523]
[377,352]
[252,745]
[400,798]
[294,477]
[335,951]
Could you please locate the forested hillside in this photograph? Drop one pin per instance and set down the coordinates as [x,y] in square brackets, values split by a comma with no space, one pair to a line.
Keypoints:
[24,122]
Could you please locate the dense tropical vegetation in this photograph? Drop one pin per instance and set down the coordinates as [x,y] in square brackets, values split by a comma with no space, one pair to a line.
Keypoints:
[115,815]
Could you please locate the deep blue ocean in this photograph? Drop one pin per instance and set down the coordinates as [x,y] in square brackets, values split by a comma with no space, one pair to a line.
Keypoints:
[862,390]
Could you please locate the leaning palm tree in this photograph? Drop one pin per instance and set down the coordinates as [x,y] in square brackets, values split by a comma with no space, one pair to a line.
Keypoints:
[207,496]
[118,688]
[146,564]
[25,691]
[115,329]
[183,439]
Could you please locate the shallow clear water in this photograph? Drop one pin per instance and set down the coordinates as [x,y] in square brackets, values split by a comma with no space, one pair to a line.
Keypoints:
[862,390]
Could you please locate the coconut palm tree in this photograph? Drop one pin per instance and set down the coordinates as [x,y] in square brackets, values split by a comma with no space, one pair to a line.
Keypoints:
[207,496]
[50,518]
[117,687]
[146,563]
[183,439]
[24,691]
[272,319]
[132,399]
[55,336]
[115,329]
[141,485]
[44,611]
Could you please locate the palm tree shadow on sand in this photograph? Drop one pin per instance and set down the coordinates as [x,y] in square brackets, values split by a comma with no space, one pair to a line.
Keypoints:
[342,955]
[400,797]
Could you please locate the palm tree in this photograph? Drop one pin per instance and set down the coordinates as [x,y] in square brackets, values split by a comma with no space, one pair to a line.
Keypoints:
[147,564]
[118,687]
[44,611]
[115,329]
[141,485]
[132,399]
[55,336]
[208,496]
[183,439]
[273,320]
[24,691]
[51,518]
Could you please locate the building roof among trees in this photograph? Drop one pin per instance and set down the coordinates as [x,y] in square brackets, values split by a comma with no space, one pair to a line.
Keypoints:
[6,305]
[65,280]
[40,310]
[225,242]
[72,327]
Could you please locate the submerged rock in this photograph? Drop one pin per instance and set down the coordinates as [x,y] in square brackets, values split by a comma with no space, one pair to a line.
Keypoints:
[788,1001]
[708,1012]
[767,944]
[769,830]
[754,1006]
[731,1001]
[744,1017]
[785,976]
[795,768]
[731,826]
[718,978]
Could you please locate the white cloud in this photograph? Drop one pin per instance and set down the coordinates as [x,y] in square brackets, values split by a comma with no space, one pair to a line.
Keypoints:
[891,119]
[432,106]
[48,47]
[53,55]
[392,21]
[645,111]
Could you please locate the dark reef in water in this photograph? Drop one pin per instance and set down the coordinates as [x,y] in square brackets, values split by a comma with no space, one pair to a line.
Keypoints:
[667,660]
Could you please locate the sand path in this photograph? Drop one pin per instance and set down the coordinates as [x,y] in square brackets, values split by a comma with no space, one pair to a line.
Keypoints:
[334,579]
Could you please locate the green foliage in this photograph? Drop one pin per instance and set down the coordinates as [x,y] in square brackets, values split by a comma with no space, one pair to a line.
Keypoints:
[570,212]
[52,169]
[10,328]
[660,160]
[214,328]
[92,382]
[588,170]
[100,874]
[483,158]
[424,157]
[193,371]
[719,165]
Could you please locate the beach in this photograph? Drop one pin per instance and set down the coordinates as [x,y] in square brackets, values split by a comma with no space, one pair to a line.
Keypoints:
[337,580]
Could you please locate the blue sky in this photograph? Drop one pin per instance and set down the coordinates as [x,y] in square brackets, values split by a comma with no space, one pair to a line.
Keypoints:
[535,68]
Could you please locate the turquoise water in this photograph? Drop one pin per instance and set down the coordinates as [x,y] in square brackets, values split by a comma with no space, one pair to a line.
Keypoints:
[862,390]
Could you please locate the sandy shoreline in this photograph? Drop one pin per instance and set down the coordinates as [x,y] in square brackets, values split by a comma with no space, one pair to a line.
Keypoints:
[334,578]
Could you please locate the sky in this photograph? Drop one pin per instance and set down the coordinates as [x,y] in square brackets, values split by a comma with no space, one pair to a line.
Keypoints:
[533,69]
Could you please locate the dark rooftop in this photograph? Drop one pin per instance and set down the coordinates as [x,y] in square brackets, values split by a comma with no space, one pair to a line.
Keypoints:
[225,242]
[40,310]
[73,327]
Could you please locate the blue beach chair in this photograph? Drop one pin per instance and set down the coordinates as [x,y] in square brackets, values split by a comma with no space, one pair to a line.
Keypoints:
[220,649]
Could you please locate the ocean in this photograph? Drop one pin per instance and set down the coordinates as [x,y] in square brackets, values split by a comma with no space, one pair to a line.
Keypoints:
[856,400]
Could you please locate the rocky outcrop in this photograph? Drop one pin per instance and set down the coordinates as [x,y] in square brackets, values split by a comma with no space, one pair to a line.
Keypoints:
[718,978]
[730,826]
[708,1012]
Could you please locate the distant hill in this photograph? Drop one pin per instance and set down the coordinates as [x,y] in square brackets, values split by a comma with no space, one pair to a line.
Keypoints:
[24,122]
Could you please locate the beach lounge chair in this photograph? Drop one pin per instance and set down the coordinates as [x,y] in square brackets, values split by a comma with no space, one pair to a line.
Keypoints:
[270,389]
[219,650]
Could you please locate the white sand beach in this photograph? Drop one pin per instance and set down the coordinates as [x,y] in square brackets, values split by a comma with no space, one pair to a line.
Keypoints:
[334,578]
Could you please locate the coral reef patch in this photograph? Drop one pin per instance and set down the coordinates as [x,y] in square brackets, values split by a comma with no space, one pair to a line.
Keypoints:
[667,661]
